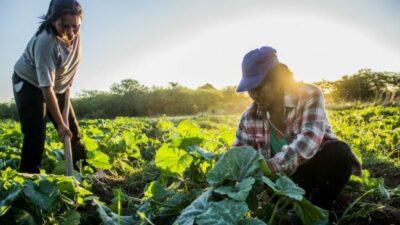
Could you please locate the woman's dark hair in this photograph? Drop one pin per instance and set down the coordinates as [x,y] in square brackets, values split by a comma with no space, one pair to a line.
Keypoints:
[57,9]
[281,77]
[280,74]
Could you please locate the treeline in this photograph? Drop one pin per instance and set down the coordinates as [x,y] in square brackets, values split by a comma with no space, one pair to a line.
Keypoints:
[364,86]
[130,98]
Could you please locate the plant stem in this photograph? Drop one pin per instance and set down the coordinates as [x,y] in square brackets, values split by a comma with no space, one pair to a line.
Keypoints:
[343,217]
[119,207]
[271,219]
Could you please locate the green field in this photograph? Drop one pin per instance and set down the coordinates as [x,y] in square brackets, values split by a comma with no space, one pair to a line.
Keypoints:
[164,170]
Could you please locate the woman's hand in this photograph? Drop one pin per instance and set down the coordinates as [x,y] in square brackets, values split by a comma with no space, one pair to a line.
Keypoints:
[63,131]
[60,120]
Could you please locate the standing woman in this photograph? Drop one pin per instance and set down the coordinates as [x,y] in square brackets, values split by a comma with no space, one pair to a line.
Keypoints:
[42,79]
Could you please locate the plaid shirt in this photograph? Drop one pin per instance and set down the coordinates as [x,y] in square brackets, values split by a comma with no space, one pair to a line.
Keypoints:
[306,129]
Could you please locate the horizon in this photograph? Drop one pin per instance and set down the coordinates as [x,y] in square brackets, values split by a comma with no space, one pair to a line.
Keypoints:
[197,43]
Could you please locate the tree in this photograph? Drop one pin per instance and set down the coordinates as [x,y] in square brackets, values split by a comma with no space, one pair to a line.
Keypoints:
[128,86]
[365,85]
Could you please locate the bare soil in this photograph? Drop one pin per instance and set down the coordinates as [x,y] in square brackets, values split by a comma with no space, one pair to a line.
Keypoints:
[388,213]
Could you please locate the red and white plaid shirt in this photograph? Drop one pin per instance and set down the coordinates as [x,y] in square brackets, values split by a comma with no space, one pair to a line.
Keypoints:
[306,129]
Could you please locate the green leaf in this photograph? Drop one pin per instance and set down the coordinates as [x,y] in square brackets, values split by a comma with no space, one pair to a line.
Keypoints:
[190,141]
[129,138]
[383,191]
[226,212]
[284,186]
[240,192]
[155,190]
[90,144]
[59,168]
[82,191]
[98,160]
[42,195]
[188,128]
[67,188]
[58,153]
[24,217]
[310,214]
[228,137]
[251,221]
[236,164]
[71,217]
[11,194]
[173,159]
[110,218]
[199,152]
[180,200]
[195,209]
[164,124]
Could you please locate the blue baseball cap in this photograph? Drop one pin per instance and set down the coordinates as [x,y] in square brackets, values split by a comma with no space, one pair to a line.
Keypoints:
[255,67]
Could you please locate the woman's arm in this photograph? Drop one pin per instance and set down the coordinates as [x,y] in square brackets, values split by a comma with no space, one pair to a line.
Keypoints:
[52,105]
[66,108]
[307,142]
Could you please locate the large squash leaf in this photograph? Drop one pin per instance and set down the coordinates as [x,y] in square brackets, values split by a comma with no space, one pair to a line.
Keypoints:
[173,159]
[226,212]
[10,195]
[98,160]
[284,186]
[240,191]
[42,195]
[156,191]
[237,164]
[195,209]
[199,152]
[188,128]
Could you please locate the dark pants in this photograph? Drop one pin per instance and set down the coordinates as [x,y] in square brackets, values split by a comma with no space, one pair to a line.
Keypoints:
[33,118]
[324,176]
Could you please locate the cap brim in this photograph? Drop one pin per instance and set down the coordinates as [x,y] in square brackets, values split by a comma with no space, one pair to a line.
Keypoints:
[250,82]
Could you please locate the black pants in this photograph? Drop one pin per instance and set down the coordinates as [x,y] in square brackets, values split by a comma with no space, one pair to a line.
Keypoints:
[33,118]
[324,176]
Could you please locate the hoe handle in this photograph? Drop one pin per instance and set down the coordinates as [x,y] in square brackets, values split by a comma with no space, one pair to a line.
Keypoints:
[67,145]
[68,156]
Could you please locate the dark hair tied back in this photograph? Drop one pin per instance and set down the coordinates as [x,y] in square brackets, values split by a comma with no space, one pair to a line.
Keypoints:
[57,9]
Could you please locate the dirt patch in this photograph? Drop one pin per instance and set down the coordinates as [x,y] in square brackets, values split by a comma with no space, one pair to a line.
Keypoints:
[104,184]
[387,171]
[387,211]
[133,185]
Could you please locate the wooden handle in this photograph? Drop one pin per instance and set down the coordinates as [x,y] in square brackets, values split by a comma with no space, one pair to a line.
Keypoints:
[68,156]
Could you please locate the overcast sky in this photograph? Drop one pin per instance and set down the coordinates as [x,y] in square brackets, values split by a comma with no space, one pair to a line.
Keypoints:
[204,41]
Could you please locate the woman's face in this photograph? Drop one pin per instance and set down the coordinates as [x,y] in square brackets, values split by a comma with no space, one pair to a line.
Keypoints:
[266,96]
[68,26]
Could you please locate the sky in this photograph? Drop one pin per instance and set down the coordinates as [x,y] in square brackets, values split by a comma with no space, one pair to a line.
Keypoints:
[203,41]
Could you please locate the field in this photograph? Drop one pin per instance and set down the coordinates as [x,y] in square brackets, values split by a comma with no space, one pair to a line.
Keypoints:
[171,170]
